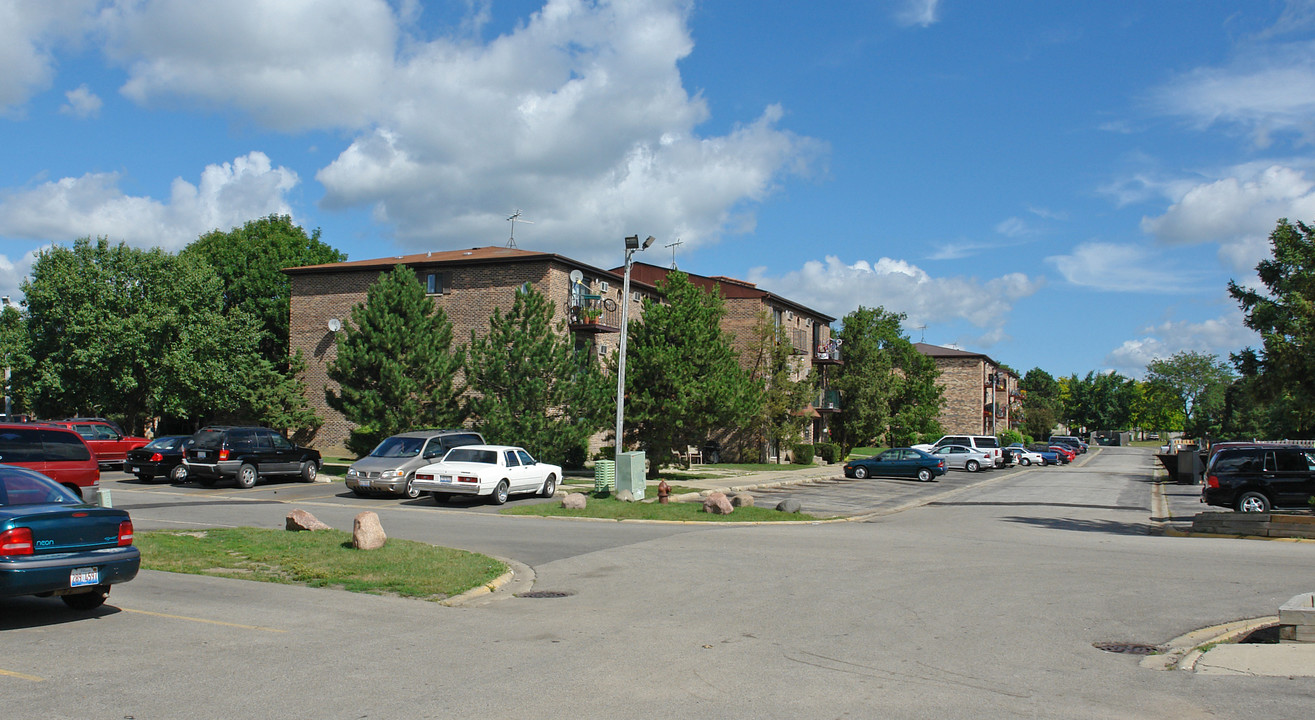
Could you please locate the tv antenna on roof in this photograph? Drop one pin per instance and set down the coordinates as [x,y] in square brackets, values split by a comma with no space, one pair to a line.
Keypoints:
[673,251]
[511,242]
[923,328]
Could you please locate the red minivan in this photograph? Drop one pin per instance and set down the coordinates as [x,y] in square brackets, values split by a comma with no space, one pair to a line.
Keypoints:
[58,453]
[108,445]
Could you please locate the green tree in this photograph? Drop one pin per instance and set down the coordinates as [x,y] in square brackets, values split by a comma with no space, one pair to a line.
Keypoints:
[683,376]
[1100,401]
[1284,315]
[1041,402]
[134,334]
[775,370]
[14,357]
[1155,407]
[888,390]
[250,261]
[1198,382]
[531,387]
[395,366]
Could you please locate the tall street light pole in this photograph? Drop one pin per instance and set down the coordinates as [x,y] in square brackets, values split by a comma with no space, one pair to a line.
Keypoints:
[632,246]
[4,305]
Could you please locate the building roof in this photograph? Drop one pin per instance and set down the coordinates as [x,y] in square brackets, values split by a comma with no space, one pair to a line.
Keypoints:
[455,258]
[730,288]
[936,351]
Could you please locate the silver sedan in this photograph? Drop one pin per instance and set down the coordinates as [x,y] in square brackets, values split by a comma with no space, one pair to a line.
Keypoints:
[962,457]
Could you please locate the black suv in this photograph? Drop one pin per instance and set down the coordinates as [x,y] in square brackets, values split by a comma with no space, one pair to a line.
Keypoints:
[246,453]
[1257,478]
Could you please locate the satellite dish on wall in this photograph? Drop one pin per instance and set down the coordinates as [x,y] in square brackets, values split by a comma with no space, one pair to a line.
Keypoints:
[335,325]
[576,276]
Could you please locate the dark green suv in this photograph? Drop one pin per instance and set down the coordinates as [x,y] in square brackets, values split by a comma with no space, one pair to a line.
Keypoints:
[246,454]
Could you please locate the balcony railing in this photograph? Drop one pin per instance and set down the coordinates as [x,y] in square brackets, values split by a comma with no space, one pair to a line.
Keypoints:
[827,401]
[593,314]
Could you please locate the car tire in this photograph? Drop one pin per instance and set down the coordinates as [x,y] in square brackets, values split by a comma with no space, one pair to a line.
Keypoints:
[440,497]
[1253,501]
[410,492]
[860,472]
[247,475]
[500,493]
[924,475]
[178,474]
[308,471]
[971,466]
[549,487]
[88,600]
[1024,462]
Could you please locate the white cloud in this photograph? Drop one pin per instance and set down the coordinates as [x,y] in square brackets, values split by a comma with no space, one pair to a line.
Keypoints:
[923,13]
[29,34]
[227,195]
[1237,211]
[578,115]
[1013,227]
[837,288]
[1121,268]
[82,103]
[1217,336]
[12,273]
[1267,90]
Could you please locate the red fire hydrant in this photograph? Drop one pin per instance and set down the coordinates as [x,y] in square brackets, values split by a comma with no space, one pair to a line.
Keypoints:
[664,492]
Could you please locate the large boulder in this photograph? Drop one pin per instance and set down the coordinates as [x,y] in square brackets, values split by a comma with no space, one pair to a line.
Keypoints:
[367,532]
[718,504]
[301,520]
[574,501]
[625,496]
[790,505]
[742,500]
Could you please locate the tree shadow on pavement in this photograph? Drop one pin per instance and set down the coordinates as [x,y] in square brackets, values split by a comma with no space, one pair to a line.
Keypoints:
[1112,527]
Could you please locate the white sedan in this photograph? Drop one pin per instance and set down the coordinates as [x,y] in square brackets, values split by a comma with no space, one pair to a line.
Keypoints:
[1027,457]
[493,470]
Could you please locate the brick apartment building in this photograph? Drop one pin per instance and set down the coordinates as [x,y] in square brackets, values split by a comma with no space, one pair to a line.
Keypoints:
[469,284]
[981,396]
[810,338]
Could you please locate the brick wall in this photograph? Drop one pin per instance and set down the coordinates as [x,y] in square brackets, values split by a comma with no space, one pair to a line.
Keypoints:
[967,395]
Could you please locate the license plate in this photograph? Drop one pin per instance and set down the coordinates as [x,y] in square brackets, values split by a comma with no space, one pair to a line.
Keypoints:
[200,453]
[133,469]
[445,478]
[82,577]
[363,483]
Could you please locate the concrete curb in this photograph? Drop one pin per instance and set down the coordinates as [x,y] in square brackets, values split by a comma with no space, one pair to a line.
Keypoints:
[1185,650]
[518,578]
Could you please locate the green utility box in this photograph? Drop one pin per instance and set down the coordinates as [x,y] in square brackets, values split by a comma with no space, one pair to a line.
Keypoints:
[631,473]
[604,476]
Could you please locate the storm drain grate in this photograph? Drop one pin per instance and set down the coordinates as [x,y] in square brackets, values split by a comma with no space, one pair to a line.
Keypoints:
[540,594]
[1127,648]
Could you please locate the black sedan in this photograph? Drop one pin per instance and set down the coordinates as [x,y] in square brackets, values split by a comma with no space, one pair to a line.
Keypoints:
[52,543]
[897,462]
[161,457]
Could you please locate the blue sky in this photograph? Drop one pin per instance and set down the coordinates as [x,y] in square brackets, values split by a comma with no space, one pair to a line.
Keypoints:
[1064,185]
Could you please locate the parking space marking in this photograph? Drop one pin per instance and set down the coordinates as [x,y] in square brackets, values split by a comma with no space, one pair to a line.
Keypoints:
[203,620]
[21,676]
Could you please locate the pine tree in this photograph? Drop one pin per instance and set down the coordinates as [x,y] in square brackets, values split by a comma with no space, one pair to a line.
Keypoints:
[395,366]
[531,387]
[683,376]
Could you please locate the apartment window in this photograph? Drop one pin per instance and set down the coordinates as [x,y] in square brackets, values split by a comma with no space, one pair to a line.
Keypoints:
[436,283]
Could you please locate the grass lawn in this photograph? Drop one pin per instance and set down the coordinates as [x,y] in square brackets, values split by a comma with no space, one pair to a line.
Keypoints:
[612,509]
[322,558]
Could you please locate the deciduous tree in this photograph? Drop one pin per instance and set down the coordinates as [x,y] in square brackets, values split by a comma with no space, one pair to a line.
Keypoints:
[1197,381]
[785,390]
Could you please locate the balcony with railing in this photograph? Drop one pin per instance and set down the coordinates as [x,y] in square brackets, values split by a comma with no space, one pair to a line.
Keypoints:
[828,353]
[828,401]
[593,314]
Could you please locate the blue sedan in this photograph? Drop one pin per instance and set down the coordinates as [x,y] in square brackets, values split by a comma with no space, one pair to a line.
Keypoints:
[897,462]
[52,543]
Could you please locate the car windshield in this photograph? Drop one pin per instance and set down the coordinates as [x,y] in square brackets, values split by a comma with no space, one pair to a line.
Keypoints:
[165,443]
[470,455]
[399,447]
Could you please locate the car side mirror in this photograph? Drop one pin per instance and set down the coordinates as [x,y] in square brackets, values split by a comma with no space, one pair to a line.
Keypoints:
[431,454]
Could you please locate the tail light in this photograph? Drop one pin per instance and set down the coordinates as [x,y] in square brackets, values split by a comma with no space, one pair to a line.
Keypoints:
[467,479]
[1212,481]
[941,464]
[157,457]
[125,533]
[223,454]
[17,541]
[424,476]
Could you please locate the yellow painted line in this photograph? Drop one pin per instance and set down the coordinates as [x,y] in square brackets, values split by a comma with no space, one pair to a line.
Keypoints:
[203,620]
[21,676]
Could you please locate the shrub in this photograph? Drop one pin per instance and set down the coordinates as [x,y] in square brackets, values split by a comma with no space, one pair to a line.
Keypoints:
[1009,437]
[803,454]
[829,452]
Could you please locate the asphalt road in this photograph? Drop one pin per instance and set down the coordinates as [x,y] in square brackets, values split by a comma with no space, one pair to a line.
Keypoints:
[984,603]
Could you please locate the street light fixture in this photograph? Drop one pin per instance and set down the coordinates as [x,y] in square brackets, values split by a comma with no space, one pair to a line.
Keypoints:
[632,246]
